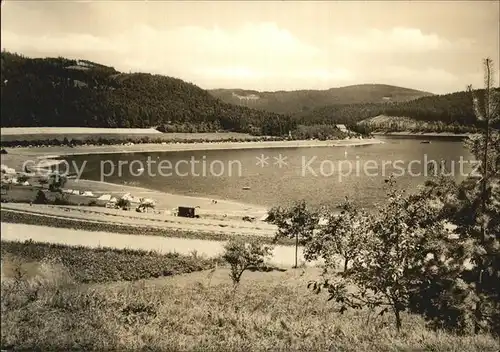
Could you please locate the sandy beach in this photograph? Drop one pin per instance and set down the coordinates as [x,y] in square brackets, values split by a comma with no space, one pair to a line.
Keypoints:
[232,225]
[58,151]
[424,134]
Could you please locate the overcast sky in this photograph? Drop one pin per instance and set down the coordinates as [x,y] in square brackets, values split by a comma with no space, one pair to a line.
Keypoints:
[429,45]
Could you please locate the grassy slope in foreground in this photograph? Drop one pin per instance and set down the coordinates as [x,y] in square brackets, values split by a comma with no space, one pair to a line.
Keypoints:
[271,311]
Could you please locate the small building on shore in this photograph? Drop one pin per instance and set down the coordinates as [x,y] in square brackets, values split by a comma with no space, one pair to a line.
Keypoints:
[342,128]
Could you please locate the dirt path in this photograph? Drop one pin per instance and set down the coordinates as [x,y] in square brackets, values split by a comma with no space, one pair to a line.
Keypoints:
[283,256]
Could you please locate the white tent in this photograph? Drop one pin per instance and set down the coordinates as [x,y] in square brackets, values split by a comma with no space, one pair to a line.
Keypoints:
[148,201]
[88,194]
[131,198]
[67,191]
[106,197]
[26,183]
[76,192]
[7,170]
[264,217]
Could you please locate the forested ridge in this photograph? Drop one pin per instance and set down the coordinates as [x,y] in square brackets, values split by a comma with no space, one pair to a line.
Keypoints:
[69,93]
[305,101]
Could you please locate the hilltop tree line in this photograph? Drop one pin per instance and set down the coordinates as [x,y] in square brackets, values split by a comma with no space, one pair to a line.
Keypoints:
[66,93]
[305,101]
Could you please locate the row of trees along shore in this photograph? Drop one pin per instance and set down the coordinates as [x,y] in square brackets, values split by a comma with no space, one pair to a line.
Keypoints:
[434,252]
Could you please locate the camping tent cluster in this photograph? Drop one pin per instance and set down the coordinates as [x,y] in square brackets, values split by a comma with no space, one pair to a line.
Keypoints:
[78,193]
[10,176]
[139,203]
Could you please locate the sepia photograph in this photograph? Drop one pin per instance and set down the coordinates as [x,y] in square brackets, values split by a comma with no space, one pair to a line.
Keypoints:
[250,176]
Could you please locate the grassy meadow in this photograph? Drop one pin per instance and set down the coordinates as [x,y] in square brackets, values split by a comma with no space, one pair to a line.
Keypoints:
[46,307]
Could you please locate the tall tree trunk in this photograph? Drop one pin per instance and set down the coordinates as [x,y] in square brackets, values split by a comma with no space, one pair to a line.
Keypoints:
[478,311]
[487,137]
[296,249]
[397,315]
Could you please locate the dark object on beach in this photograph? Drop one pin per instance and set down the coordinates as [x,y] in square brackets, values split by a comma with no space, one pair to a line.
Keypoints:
[425,142]
[248,218]
[186,212]
[3,151]
[246,188]
[40,198]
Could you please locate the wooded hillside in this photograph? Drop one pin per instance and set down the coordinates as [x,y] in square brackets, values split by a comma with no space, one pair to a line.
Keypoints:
[68,93]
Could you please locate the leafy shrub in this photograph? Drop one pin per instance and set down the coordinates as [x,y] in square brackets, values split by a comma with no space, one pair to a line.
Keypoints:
[22,178]
[123,203]
[88,265]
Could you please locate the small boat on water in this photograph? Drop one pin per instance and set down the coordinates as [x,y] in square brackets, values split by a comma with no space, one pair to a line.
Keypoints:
[425,142]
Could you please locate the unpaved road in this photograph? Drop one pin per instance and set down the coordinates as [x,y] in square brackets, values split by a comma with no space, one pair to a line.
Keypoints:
[283,256]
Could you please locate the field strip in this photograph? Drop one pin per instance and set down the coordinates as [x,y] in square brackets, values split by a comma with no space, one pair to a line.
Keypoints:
[104,220]
[112,214]
[6,131]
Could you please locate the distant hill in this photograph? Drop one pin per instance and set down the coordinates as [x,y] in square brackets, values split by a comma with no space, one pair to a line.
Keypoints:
[446,113]
[60,92]
[304,101]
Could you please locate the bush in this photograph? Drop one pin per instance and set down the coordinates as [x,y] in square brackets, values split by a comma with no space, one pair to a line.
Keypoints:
[88,265]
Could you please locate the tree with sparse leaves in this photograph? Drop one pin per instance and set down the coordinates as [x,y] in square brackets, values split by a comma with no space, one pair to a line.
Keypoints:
[242,255]
[390,265]
[460,289]
[57,182]
[296,222]
[344,235]
[478,209]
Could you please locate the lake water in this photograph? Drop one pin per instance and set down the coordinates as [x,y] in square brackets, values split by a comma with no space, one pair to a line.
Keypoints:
[321,176]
